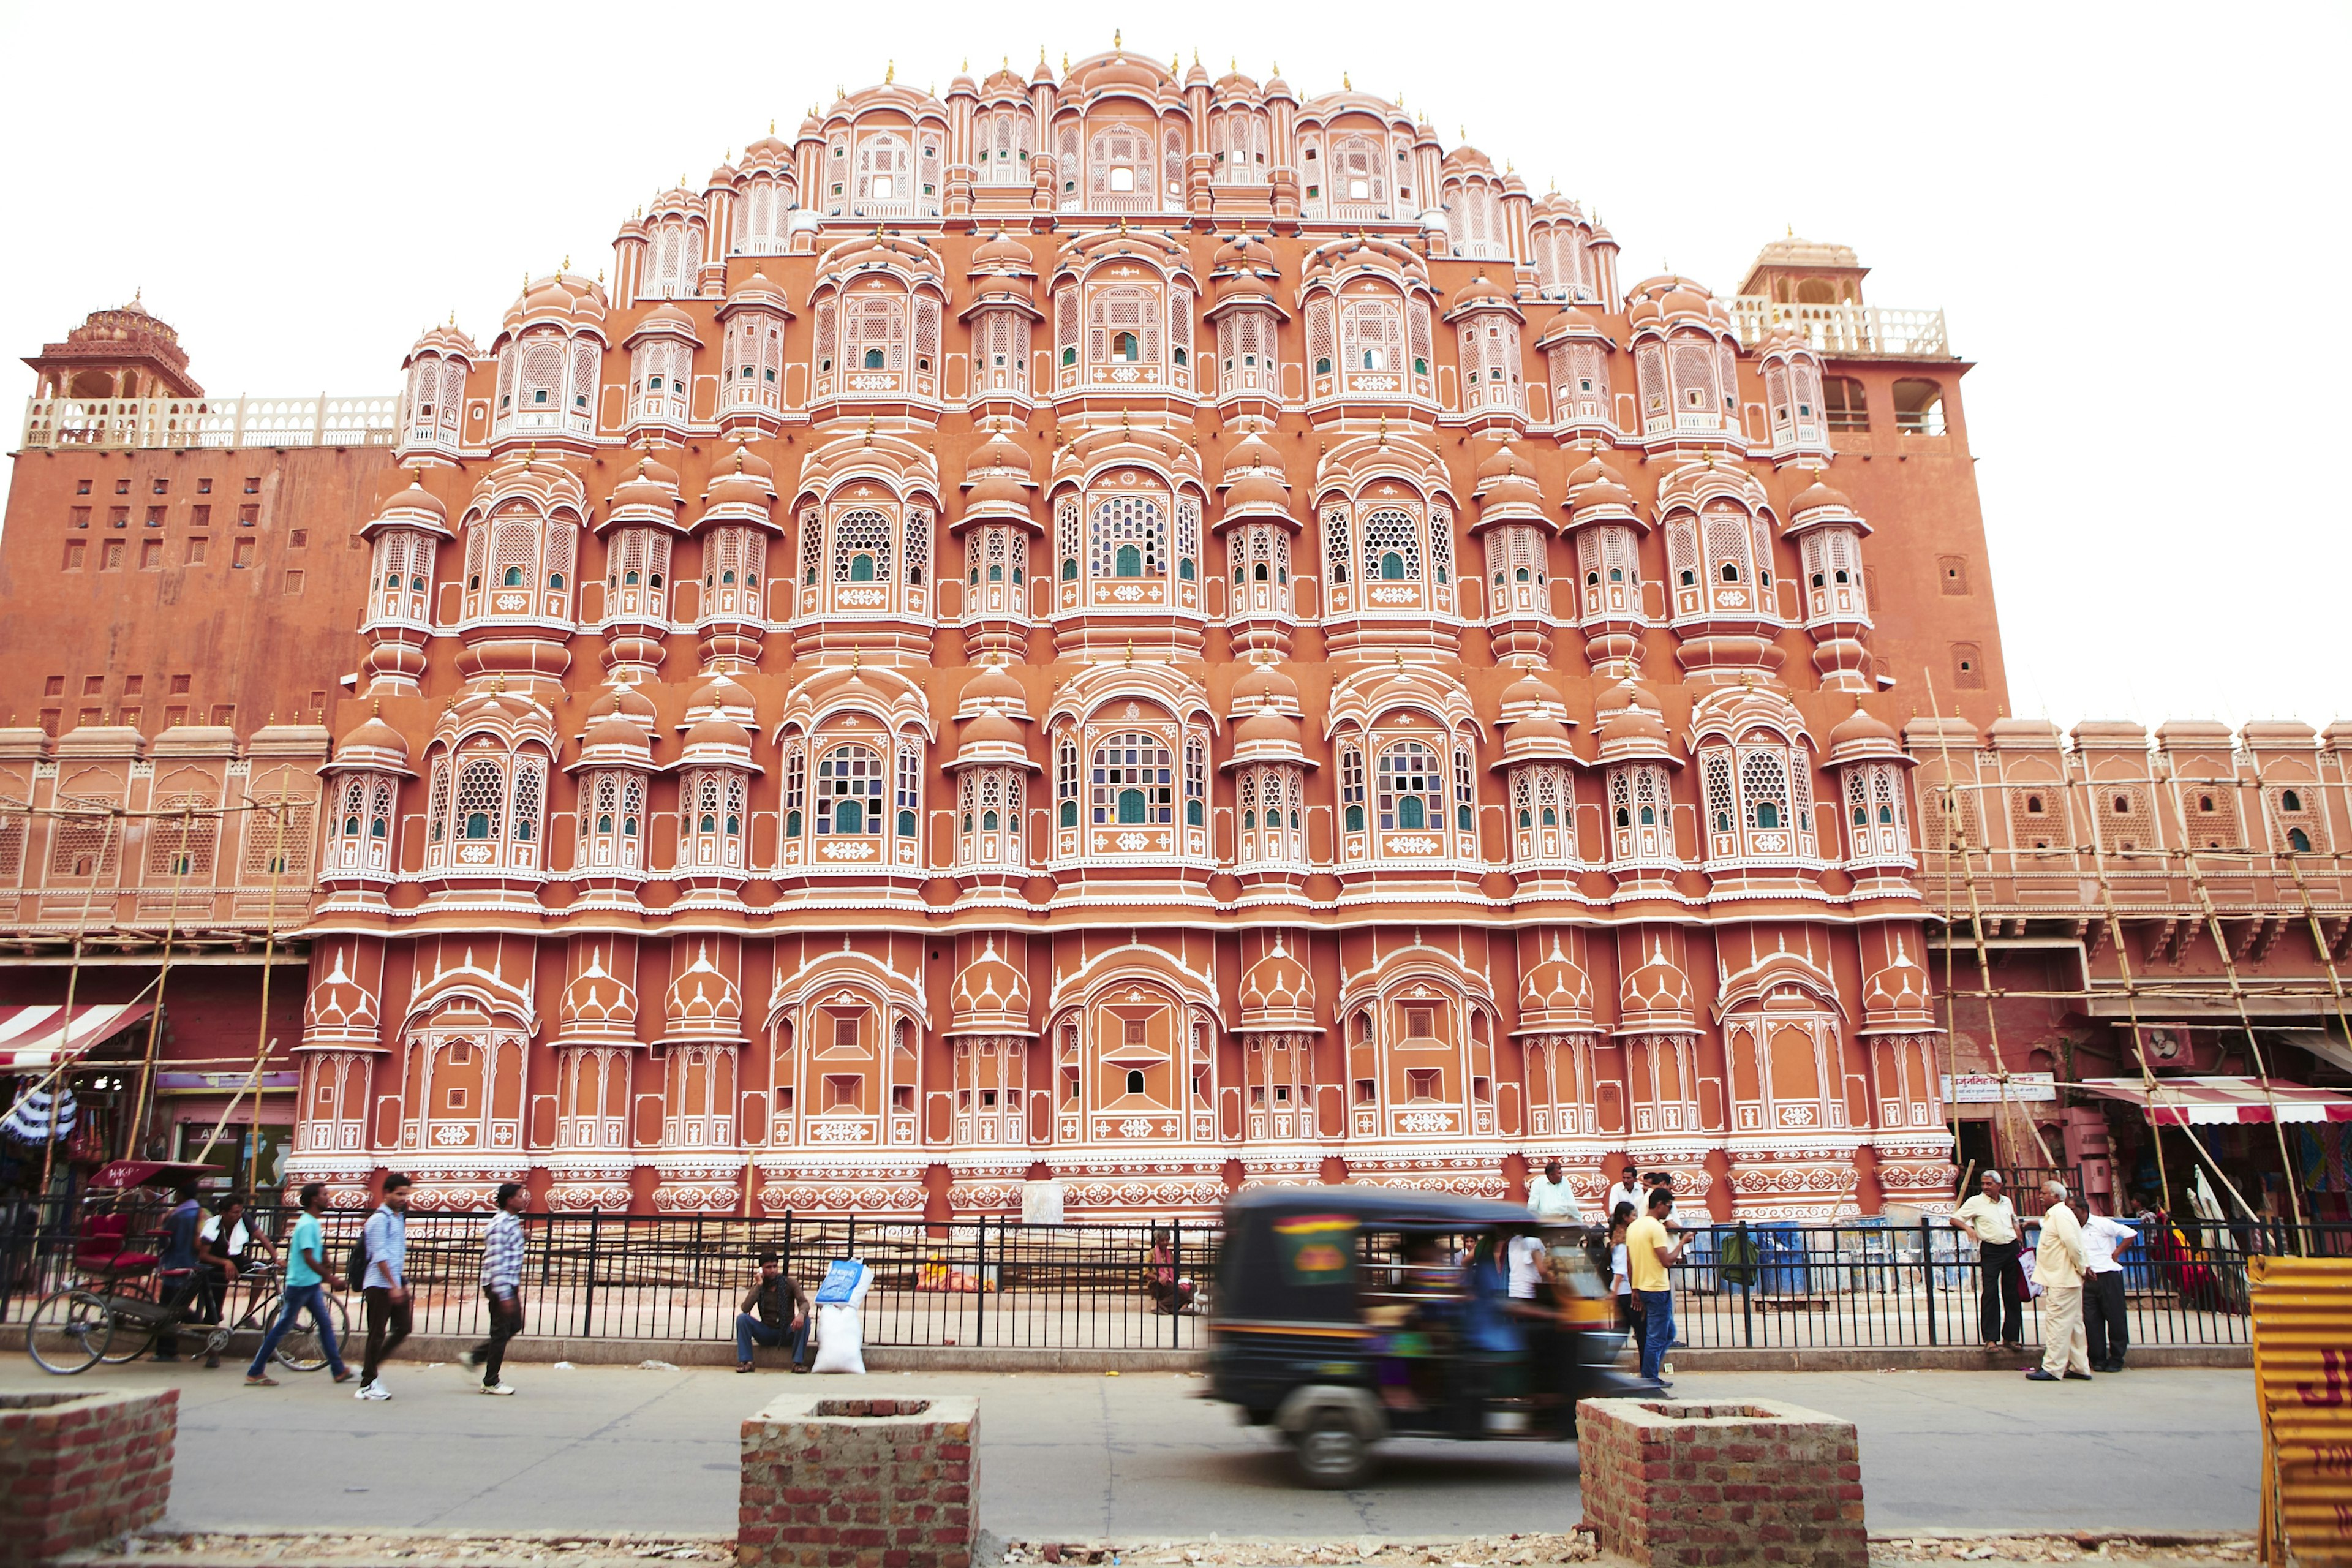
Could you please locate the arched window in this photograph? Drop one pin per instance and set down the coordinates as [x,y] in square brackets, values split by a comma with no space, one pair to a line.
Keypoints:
[1125,346]
[909,798]
[2297,838]
[1065,784]
[1130,537]
[1135,1081]
[2290,801]
[1133,772]
[1393,546]
[849,791]
[1351,787]
[1412,787]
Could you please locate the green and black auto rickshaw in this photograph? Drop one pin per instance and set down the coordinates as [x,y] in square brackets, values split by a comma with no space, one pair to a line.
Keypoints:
[1344,1315]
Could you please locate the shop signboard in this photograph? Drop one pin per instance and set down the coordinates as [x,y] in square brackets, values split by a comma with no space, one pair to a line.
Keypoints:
[1985,1088]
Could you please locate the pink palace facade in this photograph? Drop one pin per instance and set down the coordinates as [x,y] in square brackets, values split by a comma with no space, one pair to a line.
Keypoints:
[1156,631]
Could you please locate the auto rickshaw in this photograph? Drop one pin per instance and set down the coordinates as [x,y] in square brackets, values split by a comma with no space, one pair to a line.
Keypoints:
[1344,1315]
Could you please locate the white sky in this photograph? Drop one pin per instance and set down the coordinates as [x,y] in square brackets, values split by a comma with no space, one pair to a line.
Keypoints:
[2117,207]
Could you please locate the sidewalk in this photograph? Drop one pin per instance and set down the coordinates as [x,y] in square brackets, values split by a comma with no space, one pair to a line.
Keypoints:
[1072,1457]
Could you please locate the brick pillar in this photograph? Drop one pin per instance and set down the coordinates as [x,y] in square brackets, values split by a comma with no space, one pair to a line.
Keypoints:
[1676,1484]
[852,1483]
[78,1469]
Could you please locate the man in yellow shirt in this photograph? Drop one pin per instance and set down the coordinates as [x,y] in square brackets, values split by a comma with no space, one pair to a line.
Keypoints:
[2058,1264]
[1649,1252]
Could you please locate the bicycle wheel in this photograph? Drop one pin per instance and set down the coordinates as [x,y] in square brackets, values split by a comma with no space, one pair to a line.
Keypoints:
[68,1332]
[131,1338]
[300,1350]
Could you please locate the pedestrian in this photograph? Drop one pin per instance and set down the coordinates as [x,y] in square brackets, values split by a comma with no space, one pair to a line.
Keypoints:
[384,1284]
[1626,1189]
[1621,1282]
[1989,1220]
[2058,1269]
[775,1311]
[178,1267]
[229,1245]
[1551,1200]
[2102,1290]
[306,1271]
[1650,1251]
[501,1285]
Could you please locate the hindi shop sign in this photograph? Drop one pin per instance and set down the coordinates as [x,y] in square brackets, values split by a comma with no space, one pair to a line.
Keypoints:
[1985,1088]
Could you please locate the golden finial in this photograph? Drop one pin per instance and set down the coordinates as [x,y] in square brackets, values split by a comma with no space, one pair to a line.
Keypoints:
[772,125]
[1233,64]
[1114,38]
[869,430]
[1461,131]
[1130,650]
[891,74]
[965,65]
[377,709]
[1345,84]
[453,315]
[1792,231]
[600,277]
[1066,62]
[853,661]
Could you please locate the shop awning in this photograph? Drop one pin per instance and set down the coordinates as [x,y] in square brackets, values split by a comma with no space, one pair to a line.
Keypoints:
[2186,1101]
[33,1040]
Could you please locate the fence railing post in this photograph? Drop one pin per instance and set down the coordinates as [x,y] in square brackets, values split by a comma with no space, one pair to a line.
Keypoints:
[788,1242]
[1755,1279]
[1175,1287]
[588,1296]
[1927,1264]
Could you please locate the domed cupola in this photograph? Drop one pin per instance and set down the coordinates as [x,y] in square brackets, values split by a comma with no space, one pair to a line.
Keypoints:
[989,996]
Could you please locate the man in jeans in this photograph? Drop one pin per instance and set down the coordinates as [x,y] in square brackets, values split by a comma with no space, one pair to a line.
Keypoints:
[1649,1252]
[178,1268]
[306,1269]
[1989,1220]
[385,1285]
[774,1310]
[501,1285]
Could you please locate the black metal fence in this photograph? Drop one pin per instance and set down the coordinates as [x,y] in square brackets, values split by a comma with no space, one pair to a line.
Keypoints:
[1875,1284]
[992,1283]
[661,1279]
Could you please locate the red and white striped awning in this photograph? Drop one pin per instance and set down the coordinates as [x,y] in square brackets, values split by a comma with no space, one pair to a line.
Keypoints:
[2186,1101]
[34,1039]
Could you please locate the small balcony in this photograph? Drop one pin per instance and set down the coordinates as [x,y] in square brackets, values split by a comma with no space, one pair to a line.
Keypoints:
[1844,331]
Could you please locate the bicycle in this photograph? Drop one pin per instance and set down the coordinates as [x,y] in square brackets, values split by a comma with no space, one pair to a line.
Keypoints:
[75,1329]
[298,1350]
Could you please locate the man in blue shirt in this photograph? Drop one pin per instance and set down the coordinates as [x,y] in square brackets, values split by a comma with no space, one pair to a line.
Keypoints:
[177,1265]
[306,1270]
[385,1286]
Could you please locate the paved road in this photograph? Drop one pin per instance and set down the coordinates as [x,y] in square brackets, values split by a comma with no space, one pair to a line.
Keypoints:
[1133,1458]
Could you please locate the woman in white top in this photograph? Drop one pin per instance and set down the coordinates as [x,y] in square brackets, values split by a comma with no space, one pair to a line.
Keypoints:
[1620,1279]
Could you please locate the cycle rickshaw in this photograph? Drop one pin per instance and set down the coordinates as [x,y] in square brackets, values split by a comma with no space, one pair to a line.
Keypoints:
[116,1305]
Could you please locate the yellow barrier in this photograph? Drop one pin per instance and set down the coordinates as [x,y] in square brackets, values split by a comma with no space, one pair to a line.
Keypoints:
[2303,1378]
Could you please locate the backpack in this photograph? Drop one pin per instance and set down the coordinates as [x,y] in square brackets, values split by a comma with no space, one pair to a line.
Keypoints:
[355,1261]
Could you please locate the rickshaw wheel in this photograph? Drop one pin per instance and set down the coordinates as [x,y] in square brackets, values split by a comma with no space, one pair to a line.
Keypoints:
[1330,1455]
[68,1332]
[131,1339]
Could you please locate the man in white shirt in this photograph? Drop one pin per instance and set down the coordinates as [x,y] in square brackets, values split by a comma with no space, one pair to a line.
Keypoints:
[1989,1220]
[1551,1200]
[2058,1269]
[2102,1290]
[1627,1190]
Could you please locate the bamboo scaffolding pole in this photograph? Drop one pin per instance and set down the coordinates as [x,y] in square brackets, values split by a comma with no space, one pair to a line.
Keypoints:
[2238,995]
[266,1042]
[73,983]
[182,864]
[1984,958]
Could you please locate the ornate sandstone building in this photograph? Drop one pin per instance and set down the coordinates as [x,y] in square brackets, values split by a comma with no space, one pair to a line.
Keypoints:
[1116,624]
